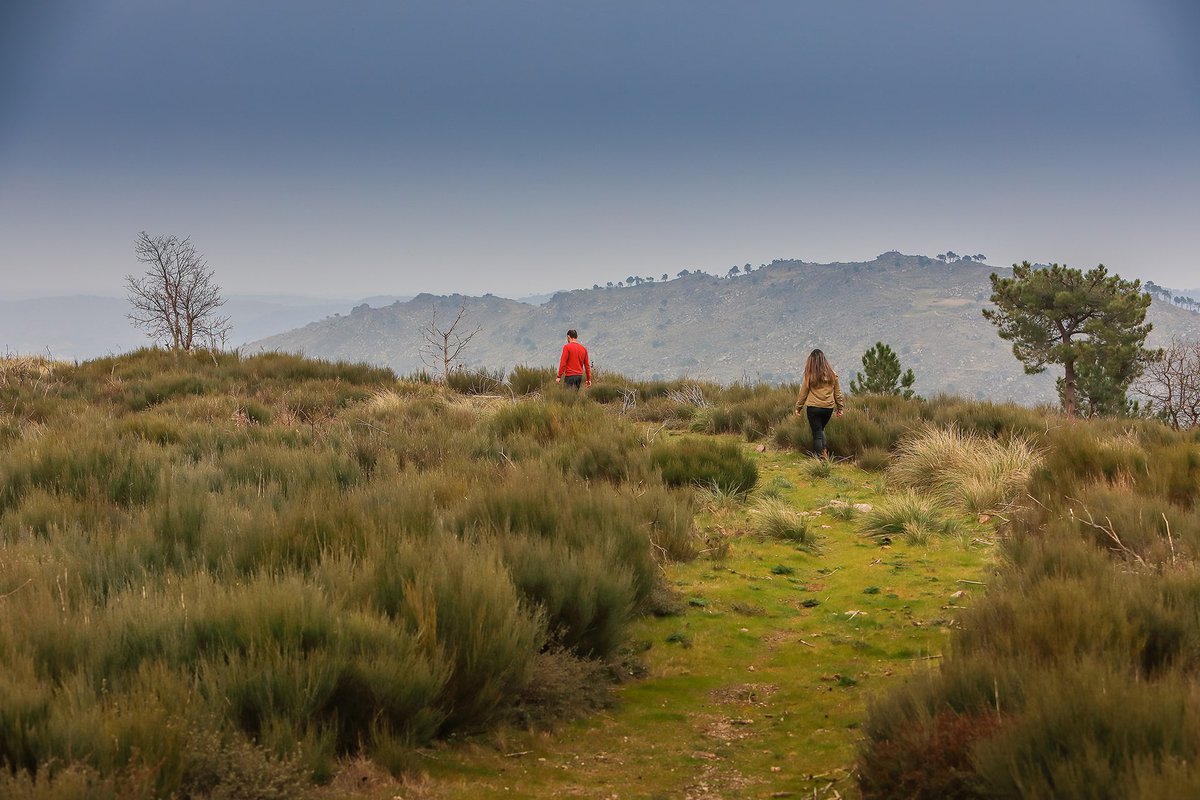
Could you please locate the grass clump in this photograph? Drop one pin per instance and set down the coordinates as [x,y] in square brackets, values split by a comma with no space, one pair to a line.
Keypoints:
[818,468]
[772,518]
[912,516]
[775,487]
[964,471]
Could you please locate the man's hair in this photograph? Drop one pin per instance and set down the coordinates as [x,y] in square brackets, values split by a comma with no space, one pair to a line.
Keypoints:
[573,334]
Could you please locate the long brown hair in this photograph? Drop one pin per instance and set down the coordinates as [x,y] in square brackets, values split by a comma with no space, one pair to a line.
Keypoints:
[817,371]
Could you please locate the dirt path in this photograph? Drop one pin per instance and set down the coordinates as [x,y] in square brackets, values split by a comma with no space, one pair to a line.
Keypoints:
[758,690]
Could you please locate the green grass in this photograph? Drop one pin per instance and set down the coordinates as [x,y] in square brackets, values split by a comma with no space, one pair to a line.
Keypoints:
[271,577]
[761,686]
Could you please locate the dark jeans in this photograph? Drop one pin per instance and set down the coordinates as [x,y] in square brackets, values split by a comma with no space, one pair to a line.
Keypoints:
[574,381]
[818,418]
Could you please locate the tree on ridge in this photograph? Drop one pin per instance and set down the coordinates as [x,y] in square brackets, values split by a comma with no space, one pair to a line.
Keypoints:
[1092,323]
[176,300]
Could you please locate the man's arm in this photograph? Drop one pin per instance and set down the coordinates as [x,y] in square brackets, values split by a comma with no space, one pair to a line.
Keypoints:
[562,363]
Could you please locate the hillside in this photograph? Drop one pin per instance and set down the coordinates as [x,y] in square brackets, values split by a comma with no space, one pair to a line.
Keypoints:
[268,577]
[755,326]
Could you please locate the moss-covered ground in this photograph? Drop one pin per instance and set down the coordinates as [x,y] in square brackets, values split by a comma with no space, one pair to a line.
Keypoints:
[759,687]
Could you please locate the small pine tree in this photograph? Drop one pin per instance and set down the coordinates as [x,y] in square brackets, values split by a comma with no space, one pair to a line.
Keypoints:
[881,374]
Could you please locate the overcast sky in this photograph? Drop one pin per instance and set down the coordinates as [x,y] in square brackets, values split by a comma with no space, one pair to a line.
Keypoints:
[358,148]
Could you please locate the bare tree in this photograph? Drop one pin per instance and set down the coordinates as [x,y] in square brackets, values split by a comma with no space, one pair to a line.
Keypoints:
[1171,384]
[442,347]
[175,300]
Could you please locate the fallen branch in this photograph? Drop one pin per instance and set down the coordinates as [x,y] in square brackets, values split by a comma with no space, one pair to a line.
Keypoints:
[6,595]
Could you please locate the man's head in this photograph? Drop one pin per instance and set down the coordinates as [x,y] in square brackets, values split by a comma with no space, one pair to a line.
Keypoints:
[572,334]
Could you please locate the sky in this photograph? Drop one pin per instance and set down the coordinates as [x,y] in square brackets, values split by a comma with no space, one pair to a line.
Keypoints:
[347,149]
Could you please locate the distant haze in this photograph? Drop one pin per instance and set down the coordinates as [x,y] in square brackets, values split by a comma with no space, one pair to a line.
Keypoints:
[388,148]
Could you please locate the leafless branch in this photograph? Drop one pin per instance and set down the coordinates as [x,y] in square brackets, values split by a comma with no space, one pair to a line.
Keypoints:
[1171,384]
[442,348]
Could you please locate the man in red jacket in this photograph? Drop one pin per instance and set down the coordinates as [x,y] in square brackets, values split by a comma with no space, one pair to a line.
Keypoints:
[574,364]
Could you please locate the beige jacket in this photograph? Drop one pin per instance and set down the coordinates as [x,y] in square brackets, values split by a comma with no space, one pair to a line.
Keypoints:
[826,396]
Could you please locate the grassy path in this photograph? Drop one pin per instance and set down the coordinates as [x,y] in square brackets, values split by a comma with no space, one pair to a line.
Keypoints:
[759,688]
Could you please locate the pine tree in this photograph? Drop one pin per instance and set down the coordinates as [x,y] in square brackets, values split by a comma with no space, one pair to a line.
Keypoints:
[881,374]
[1093,324]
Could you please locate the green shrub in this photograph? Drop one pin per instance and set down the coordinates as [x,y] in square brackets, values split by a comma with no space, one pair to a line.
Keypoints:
[588,604]
[1079,454]
[605,392]
[530,380]
[602,457]
[1085,735]
[530,418]
[462,602]
[160,389]
[306,556]
[986,419]
[873,459]
[1173,472]
[704,462]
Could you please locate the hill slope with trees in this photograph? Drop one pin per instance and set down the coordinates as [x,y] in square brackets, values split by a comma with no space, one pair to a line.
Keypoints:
[753,326]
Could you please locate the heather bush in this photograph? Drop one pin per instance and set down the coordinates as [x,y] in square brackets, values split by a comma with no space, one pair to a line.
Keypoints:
[753,417]
[605,391]
[525,380]
[221,575]
[536,420]
[704,462]
[1081,660]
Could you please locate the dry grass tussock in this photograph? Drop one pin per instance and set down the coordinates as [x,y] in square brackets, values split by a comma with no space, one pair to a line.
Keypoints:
[964,471]
[16,369]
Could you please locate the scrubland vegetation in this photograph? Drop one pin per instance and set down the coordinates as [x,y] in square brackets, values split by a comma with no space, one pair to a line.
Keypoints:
[225,577]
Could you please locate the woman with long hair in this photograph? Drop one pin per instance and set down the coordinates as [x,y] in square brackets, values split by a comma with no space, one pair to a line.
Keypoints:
[822,395]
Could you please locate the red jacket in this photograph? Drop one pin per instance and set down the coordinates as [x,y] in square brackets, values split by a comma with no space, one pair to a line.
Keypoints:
[574,360]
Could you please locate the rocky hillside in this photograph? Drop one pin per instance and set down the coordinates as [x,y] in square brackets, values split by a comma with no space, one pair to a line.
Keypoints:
[754,326]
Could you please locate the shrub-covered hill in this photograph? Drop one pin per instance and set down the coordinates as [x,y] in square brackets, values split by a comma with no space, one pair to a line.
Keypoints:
[222,575]
[227,577]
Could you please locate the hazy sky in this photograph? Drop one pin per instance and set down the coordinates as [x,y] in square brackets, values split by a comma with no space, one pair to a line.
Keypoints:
[357,148]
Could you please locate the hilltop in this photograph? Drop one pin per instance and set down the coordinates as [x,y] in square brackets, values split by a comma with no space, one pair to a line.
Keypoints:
[754,326]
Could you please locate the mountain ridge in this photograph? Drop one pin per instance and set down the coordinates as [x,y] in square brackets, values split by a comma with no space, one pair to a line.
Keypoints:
[753,326]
